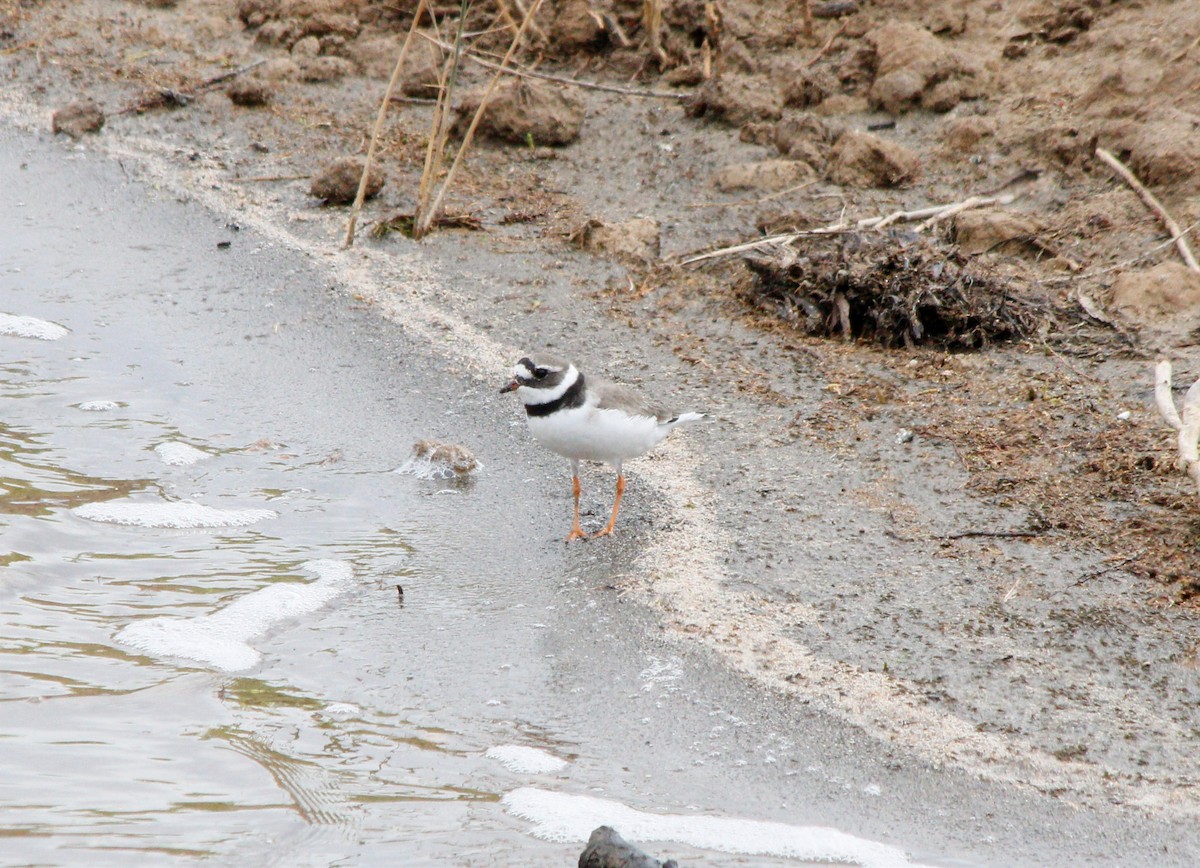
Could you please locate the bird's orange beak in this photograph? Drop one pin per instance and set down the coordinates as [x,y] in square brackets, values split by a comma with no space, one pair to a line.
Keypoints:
[513,385]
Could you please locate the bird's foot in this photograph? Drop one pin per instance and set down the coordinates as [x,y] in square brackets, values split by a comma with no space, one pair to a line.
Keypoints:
[576,533]
[607,531]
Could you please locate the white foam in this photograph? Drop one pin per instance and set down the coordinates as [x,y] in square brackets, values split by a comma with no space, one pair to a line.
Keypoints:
[221,639]
[564,818]
[340,711]
[98,406]
[179,515]
[31,327]
[179,454]
[526,760]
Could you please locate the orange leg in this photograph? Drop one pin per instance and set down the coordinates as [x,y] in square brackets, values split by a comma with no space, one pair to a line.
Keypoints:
[608,528]
[576,530]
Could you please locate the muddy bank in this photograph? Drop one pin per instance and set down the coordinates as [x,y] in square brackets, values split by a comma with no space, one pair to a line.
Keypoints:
[961,554]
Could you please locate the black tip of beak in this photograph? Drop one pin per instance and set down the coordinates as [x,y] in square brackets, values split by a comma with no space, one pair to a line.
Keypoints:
[509,387]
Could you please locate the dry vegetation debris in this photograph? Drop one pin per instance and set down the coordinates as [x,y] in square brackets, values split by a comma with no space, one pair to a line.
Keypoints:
[895,289]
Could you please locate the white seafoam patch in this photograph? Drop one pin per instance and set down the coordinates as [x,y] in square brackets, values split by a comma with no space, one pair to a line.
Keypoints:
[31,327]
[568,819]
[179,454]
[526,760]
[97,406]
[221,640]
[425,468]
[182,514]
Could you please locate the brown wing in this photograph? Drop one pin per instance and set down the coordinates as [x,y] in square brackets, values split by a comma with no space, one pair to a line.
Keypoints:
[614,396]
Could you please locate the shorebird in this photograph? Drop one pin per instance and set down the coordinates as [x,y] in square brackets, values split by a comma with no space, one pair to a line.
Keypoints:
[589,419]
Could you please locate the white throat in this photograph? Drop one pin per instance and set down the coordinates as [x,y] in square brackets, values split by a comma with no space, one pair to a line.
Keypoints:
[530,395]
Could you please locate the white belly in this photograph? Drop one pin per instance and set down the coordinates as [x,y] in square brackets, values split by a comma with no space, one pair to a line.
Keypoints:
[587,434]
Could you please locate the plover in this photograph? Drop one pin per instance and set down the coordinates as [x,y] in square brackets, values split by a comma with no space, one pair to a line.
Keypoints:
[588,419]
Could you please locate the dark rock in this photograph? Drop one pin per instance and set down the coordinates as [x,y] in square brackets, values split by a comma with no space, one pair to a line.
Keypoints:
[606,849]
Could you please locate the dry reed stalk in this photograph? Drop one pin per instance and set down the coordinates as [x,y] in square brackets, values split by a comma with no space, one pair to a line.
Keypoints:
[560,79]
[1186,424]
[652,11]
[714,58]
[509,22]
[439,132]
[425,218]
[527,16]
[1177,234]
[361,195]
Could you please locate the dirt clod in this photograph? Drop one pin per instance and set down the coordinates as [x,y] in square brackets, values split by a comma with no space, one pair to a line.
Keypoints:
[866,160]
[78,118]
[736,100]
[526,113]
[767,176]
[249,93]
[636,239]
[338,182]
[1164,300]
[912,67]
[994,230]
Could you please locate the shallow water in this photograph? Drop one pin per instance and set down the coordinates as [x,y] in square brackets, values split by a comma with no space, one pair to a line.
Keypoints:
[204,652]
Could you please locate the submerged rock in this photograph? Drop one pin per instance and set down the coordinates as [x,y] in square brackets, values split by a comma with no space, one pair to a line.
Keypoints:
[432,459]
[606,849]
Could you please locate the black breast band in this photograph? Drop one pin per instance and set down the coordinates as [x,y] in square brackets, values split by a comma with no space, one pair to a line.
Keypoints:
[573,397]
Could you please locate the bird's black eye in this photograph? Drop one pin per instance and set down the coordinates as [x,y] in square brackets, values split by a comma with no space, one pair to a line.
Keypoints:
[540,373]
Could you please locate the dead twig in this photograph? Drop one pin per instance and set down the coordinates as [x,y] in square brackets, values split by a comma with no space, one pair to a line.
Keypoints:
[866,223]
[742,203]
[1153,204]
[828,42]
[1095,574]
[168,97]
[361,195]
[256,179]
[559,79]
[994,534]
[1123,264]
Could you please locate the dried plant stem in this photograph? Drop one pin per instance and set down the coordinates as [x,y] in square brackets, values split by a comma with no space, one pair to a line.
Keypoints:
[828,44]
[559,79]
[652,13]
[1187,423]
[934,212]
[439,132]
[361,195]
[1154,205]
[426,216]
[527,19]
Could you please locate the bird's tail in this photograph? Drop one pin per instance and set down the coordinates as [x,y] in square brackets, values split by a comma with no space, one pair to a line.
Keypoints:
[684,418]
